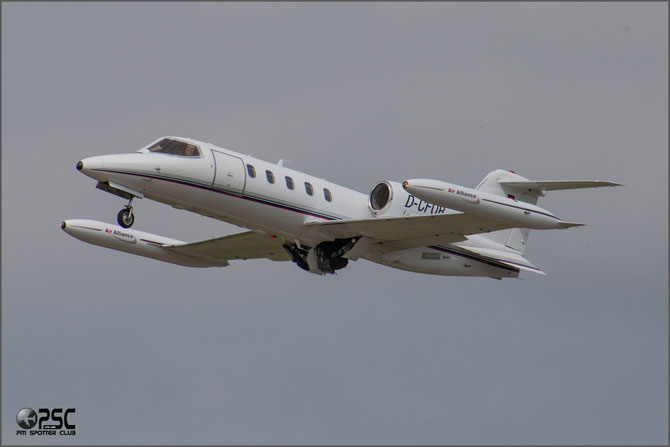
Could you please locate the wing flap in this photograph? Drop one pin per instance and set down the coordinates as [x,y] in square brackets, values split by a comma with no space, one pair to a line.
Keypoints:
[524,267]
[512,259]
[249,245]
[400,233]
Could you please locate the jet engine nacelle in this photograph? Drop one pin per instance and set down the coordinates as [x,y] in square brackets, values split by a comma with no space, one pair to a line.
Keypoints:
[384,197]
[390,198]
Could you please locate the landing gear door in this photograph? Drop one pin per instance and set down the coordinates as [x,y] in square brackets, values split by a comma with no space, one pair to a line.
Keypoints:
[229,174]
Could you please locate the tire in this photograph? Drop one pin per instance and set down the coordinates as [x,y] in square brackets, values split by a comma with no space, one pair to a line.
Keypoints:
[125,218]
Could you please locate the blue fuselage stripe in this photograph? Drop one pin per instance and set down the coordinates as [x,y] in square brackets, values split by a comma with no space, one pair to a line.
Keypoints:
[250,197]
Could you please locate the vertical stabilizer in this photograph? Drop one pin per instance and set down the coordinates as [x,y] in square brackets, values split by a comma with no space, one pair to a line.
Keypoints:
[514,238]
[494,183]
[513,186]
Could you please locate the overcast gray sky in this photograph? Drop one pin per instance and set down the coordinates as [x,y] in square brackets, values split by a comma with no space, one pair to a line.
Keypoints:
[262,352]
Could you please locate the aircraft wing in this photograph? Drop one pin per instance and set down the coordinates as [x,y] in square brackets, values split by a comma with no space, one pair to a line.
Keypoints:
[215,252]
[249,245]
[400,233]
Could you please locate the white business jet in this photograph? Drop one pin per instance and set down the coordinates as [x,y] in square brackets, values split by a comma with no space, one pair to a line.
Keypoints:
[420,225]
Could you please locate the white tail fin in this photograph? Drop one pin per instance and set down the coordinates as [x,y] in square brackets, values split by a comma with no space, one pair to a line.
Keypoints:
[511,185]
[514,238]
[503,183]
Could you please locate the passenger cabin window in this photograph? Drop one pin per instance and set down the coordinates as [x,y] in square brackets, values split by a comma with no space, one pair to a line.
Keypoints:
[309,188]
[289,182]
[174,147]
[327,194]
[270,176]
[252,171]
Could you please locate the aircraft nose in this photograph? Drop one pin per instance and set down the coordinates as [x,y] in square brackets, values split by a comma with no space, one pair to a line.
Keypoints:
[89,165]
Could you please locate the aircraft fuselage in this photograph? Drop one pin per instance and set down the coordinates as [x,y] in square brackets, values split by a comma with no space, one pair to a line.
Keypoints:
[259,195]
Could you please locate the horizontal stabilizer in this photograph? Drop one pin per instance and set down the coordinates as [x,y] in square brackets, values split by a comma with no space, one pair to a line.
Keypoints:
[539,187]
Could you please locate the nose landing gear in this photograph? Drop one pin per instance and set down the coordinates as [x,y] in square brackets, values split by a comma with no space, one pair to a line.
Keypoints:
[126,218]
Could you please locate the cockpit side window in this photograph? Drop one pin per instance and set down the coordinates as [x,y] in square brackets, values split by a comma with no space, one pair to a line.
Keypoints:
[174,147]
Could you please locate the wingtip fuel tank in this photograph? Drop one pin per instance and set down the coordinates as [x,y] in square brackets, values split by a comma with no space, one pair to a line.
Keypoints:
[521,214]
[132,241]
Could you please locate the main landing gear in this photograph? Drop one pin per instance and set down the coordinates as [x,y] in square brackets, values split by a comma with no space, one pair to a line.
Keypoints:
[126,218]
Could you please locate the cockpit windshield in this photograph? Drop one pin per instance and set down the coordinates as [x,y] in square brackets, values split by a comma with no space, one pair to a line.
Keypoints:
[175,147]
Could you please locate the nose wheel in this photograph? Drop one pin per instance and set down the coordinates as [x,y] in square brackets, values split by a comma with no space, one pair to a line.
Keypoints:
[126,218]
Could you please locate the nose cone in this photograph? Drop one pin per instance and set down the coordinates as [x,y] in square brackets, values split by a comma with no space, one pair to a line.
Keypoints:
[92,166]
[91,163]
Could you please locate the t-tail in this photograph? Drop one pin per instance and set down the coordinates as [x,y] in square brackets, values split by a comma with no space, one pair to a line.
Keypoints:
[511,185]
